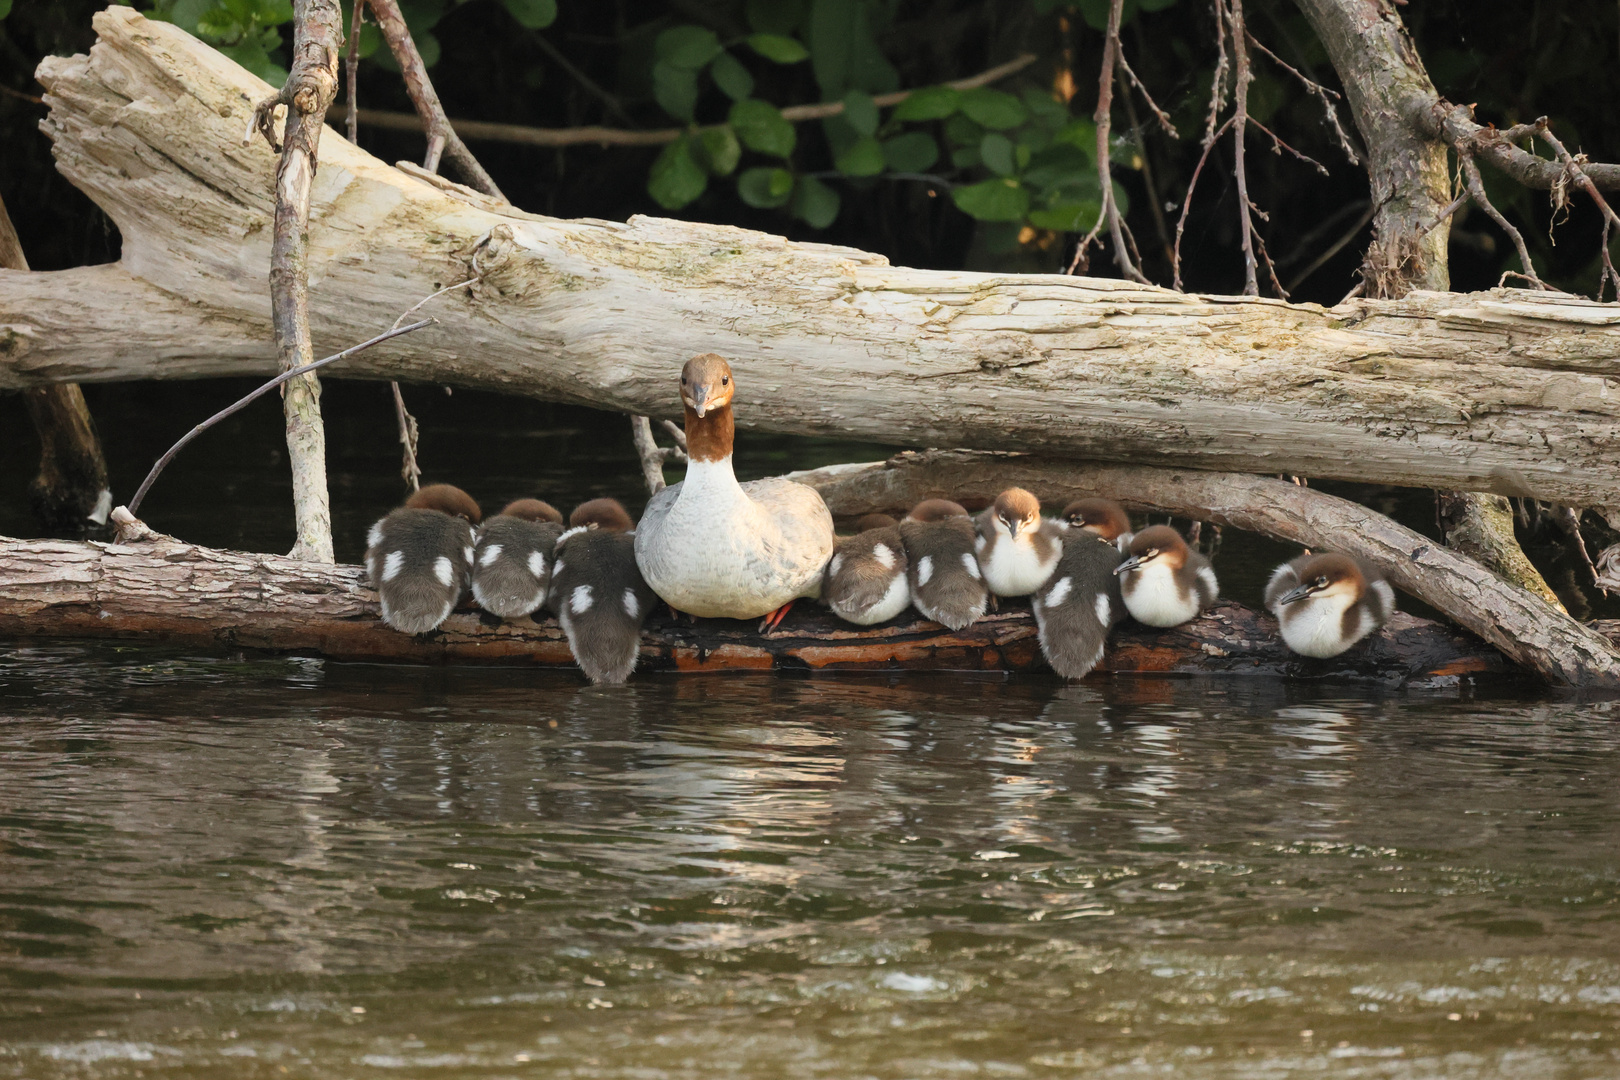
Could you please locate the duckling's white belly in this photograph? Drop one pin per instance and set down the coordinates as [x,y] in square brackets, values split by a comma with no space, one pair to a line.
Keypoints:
[1316,628]
[894,601]
[1154,597]
[1014,568]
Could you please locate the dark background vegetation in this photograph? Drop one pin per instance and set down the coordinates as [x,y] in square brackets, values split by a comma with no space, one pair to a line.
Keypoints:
[1517,61]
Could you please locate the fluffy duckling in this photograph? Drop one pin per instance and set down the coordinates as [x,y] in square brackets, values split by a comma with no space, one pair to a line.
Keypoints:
[1017,549]
[1326,603]
[419,557]
[946,583]
[512,561]
[599,595]
[1165,582]
[1101,517]
[865,583]
[1079,605]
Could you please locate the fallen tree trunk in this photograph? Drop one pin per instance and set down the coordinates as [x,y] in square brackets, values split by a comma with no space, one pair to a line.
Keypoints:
[1525,628]
[1512,392]
[166,591]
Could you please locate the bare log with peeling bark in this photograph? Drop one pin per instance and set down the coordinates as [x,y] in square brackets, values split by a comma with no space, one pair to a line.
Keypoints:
[1526,629]
[1509,392]
[162,590]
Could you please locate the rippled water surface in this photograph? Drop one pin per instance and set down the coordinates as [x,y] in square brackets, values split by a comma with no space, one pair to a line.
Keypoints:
[268,868]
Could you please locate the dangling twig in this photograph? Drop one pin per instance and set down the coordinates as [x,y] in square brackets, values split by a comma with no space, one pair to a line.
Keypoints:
[1580,177]
[1213,130]
[352,70]
[1240,117]
[1104,119]
[408,433]
[1476,191]
[1321,92]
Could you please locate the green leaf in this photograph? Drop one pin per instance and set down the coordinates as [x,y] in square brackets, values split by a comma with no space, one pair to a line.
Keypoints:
[929,103]
[765,188]
[1067,217]
[993,109]
[814,203]
[993,200]
[1044,109]
[832,30]
[996,151]
[963,132]
[861,112]
[1081,134]
[720,151]
[966,157]
[676,178]
[534,14]
[1062,164]
[731,77]
[775,16]
[676,89]
[251,55]
[5,8]
[1156,5]
[760,126]
[688,47]
[778,47]
[865,158]
[912,152]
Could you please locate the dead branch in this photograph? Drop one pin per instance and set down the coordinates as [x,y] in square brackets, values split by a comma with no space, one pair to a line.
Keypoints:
[441,134]
[1321,92]
[651,454]
[1526,629]
[1278,146]
[1455,125]
[1109,214]
[409,434]
[1240,117]
[606,136]
[1192,185]
[157,589]
[352,71]
[1577,173]
[1337,246]
[310,88]
[1163,117]
[1476,191]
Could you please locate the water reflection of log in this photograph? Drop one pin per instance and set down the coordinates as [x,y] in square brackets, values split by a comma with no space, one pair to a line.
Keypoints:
[168,591]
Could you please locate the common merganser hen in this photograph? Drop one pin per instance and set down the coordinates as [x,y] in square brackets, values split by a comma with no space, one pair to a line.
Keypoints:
[865,582]
[419,557]
[1017,549]
[1075,609]
[946,583]
[1101,517]
[1165,582]
[598,593]
[512,561]
[1326,603]
[712,547]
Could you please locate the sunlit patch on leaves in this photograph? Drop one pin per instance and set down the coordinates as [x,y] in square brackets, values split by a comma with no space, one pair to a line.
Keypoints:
[719,150]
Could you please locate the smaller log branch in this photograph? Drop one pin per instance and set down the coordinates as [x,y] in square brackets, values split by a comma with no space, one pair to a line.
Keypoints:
[1455,124]
[651,454]
[310,88]
[162,590]
[1514,620]
[442,137]
[1125,257]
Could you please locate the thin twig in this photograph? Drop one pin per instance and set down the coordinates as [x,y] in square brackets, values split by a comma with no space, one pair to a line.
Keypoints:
[1213,130]
[1164,117]
[1186,204]
[606,136]
[417,306]
[408,434]
[1476,190]
[1334,248]
[1579,175]
[588,84]
[1104,121]
[352,70]
[1154,203]
[1568,518]
[1278,146]
[1320,91]
[1240,116]
[140,493]
[680,435]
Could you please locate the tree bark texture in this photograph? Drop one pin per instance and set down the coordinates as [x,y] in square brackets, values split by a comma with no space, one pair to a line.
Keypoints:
[1507,391]
[1388,88]
[164,590]
[70,493]
[1526,629]
[311,86]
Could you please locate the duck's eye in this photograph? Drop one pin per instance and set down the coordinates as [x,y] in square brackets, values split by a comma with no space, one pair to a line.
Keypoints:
[725,380]
[683,380]
[1321,583]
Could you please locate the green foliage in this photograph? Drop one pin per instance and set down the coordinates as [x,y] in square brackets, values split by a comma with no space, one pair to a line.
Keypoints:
[861,112]
[675,89]
[5,8]
[777,47]
[676,177]
[814,203]
[863,158]
[765,188]
[993,200]
[993,108]
[929,103]
[719,150]
[760,126]
[534,14]
[731,77]
[779,17]
[913,152]
[247,31]
[687,47]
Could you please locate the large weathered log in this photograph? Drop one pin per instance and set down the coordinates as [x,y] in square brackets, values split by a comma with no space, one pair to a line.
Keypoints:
[1509,392]
[1524,627]
[167,591]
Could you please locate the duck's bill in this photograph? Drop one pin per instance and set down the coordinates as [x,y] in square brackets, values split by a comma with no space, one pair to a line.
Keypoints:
[1298,592]
[1133,563]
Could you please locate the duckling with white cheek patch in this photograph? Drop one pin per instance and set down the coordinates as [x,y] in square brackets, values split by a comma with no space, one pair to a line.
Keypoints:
[1101,517]
[1326,603]
[1017,549]
[1075,609]
[598,593]
[419,557]
[1165,582]
[512,561]
[946,583]
[865,583]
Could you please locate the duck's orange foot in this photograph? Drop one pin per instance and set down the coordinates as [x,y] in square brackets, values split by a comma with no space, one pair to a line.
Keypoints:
[774,619]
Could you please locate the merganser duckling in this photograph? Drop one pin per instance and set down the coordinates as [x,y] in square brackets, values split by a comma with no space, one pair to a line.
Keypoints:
[1075,609]
[946,583]
[865,582]
[512,560]
[1326,603]
[712,547]
[1102,517]
[419,557]
[1165,582]
[1017,549]
[598,593]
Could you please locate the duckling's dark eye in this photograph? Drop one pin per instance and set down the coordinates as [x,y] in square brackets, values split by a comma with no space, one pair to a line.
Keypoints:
[1321,583]
[725,380]
[683,380]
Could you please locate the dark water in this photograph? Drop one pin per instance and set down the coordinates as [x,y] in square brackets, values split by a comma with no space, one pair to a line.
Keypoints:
[283,867]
